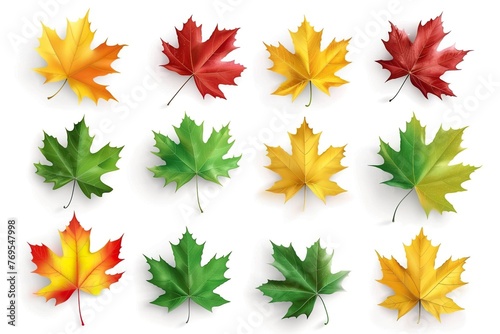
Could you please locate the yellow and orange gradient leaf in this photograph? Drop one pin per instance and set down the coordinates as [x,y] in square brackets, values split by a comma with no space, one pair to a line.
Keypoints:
[72,60]
[78,268]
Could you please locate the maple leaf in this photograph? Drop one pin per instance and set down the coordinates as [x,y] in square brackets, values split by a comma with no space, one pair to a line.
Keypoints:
[203,61]
[72,60]
[78,268]
[305,167]
[304,280]
[188,280]
[420,282]
[425,168]
[193,157]
[420,60]
[308,65]
[77,163]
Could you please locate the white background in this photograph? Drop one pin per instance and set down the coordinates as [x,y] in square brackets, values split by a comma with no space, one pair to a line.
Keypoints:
[241,217]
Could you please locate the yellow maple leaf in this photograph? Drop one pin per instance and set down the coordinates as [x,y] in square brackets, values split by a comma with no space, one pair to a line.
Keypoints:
[309,65]
[72,59]
[305,167]
[421,283]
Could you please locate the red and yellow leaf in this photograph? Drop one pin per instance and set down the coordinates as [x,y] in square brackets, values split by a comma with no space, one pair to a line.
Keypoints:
[78,268]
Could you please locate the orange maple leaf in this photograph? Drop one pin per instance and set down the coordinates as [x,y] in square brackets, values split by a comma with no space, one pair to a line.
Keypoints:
[72,60]
[78,268]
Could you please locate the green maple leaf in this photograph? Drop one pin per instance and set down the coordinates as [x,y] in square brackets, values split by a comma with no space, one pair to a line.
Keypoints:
[304,280]
[193,157]
[188,280]
[76,163]
[425,168]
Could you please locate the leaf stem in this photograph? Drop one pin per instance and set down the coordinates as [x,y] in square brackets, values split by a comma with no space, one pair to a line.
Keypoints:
[184,84]
[419,310]
[72,192]
[310,94]
[79,308]
[399,88]
[64,83]
[304,204]
[189,310]
[197,193]
[326,311]
[395,210]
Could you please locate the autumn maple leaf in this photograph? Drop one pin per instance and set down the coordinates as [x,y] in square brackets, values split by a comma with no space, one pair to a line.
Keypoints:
[78,268]
[420,60]
[72,60]
[305,167]
[203,61]
[426,168]
[420,283]
[309,64]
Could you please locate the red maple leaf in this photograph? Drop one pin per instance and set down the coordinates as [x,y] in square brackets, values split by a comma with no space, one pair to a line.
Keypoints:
[203,60]
[420,60]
